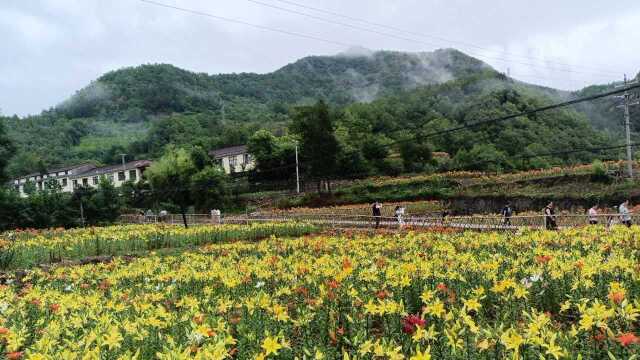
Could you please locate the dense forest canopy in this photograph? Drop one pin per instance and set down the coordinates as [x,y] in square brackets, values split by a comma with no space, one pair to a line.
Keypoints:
[376,99]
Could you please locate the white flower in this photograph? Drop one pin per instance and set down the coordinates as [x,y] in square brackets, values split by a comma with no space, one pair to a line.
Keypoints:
[259,284]
[68,288]
[195,337]
[535,278]
[528,281]
[3,307]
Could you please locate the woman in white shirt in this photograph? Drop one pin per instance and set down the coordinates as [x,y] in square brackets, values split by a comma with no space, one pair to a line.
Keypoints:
[400,215]
[625,215]
[593,215]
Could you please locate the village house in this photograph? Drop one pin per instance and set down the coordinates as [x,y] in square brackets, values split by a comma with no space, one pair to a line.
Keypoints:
[88,175]
[116,174]
[234,159]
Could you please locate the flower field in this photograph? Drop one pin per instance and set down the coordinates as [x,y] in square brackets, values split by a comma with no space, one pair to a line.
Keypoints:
[413,208]
[535,295]
[24,249]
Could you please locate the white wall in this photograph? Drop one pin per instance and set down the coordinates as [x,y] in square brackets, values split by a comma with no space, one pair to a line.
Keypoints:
[240,163]
[90,182]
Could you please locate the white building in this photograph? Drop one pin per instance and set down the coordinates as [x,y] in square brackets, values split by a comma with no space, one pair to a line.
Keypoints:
[234,159]
[116,174]
[71,177]
[61,175]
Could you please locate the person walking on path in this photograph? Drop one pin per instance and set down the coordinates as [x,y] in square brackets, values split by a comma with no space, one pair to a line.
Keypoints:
[507,212]
[399,214]
[593,215]
[550,217]
[625,215]
[611,218]
[376,210]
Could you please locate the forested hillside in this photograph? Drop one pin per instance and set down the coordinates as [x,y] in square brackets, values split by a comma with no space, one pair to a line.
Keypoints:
[379,99]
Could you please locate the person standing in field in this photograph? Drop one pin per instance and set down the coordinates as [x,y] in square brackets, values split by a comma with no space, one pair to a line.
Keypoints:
[625,215]
[611,219]
[399,214]
[376,210]
[507,212]
[550,217]
[593,215]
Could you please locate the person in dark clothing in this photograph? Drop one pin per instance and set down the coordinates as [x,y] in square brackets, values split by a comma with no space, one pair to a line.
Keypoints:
[550,217]
[507,212]
[445,215]
[376,210]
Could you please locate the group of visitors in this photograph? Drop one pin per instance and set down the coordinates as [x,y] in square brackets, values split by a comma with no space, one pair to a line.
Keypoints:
[398,214]
[623,213]
[549,212]
[593,215]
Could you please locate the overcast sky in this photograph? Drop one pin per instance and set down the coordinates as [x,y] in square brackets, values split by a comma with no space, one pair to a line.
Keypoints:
[51,48]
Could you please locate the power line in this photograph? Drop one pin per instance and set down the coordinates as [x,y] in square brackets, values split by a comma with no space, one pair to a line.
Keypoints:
[554,153]
[317,38]
[236,21]
[497,120]
[442,39]
[516,115]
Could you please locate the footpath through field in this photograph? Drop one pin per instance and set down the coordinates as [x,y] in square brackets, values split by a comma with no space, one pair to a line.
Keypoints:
[477,223]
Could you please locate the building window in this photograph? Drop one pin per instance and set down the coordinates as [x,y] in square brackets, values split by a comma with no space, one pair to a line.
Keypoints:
[232,162]
[121,176]
[133,175]
[64,182]
[247,158]
[85,182]
[17,187]
[95,180]
[75,184]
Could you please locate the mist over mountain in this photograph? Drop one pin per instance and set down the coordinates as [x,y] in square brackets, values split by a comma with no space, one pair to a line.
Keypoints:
[139,110]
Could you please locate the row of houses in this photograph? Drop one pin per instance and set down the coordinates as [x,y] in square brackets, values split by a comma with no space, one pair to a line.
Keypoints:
[233,159]
[88,175]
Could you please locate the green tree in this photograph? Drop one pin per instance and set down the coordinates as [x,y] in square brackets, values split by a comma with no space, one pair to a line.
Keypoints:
[11,209]
[319,146]
[274,156]
[7,150]
[170,177]
[482,157]
[210,189]
[107,201]
[416,155]
[185,179]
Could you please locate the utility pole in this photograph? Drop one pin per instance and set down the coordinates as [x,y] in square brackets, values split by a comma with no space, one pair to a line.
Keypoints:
[81,212]
[627,102]
[297,172]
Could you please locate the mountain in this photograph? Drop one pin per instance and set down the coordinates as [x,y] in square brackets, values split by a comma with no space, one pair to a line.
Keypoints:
[155,89]
[139,110]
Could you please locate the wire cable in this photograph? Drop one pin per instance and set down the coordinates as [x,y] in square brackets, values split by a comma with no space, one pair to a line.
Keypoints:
[516,115]
[442,39]
[554,153]
[241,22]
[317,38]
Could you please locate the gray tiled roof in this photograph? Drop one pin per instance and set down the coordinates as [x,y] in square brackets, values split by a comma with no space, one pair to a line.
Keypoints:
[71,168]
[113,168]
[228,151]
